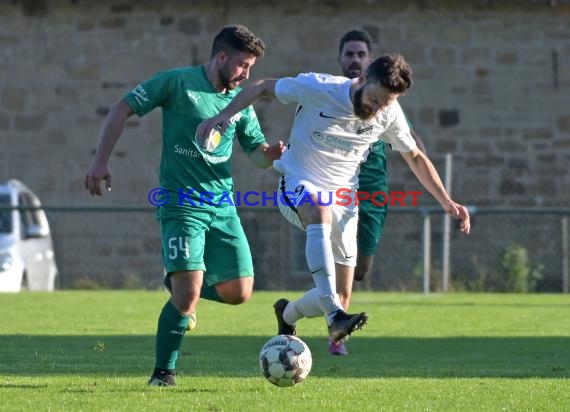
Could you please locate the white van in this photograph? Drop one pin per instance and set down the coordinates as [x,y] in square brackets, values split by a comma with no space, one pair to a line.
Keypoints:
[27,260]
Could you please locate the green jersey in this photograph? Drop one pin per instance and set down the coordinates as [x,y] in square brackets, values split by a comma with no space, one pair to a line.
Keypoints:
[373,178]
[194,176]
[373,175]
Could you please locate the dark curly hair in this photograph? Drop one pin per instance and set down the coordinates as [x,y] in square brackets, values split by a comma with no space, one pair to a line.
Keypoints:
[237,38]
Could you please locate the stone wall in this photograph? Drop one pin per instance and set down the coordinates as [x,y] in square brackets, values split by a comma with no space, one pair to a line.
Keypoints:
[492,86]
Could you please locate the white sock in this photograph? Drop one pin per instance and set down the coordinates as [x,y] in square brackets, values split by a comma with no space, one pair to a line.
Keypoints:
[321,264]
[307,306]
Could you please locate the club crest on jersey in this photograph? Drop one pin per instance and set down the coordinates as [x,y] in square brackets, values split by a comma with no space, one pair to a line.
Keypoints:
[364,129]
[210,143]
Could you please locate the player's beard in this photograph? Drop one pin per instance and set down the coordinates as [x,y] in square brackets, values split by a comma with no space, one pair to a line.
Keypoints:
[361,110]
[353,71]
[227,82]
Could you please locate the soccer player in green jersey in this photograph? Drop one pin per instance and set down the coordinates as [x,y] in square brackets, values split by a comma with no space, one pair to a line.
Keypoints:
[354,56]
[204,248]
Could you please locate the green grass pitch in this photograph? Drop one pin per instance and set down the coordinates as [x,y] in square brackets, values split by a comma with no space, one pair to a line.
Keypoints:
[94,351]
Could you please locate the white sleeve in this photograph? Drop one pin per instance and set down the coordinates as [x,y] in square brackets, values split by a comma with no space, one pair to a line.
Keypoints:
[398,134]
[297,89]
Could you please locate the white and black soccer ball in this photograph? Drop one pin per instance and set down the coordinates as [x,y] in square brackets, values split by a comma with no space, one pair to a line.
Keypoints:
[285,360]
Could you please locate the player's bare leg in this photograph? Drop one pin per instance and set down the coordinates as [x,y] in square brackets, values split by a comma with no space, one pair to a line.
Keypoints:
[363,266]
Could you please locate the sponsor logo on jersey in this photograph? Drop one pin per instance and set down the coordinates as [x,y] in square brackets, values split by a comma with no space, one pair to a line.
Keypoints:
[364,129]
[237,116]
[140,95]
[193,154]
[331,142]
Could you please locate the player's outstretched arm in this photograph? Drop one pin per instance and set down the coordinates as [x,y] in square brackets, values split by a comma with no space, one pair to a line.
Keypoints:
[110,134]
[427,175]
[246,97]
[419,141]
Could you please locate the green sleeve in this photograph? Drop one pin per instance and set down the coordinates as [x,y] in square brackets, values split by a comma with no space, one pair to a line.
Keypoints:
[248,130]
[152,93]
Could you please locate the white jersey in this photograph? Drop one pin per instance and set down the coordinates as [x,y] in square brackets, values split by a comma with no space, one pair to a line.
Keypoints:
[328,142]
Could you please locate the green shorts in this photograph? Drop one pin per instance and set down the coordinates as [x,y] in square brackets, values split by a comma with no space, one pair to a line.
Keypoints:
[211,240]
[373,178]
[370,227]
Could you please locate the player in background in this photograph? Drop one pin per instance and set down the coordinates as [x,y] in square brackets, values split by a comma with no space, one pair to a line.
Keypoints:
[204,248]
[354,56]
[337,120]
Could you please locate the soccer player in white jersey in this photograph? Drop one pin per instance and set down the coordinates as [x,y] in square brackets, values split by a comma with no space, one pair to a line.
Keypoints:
[354,53]
[336,123]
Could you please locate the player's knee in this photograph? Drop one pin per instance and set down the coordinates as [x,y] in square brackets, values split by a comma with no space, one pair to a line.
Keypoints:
[183,304]
[317,214]
[325,214]
[237,297]
[234,295]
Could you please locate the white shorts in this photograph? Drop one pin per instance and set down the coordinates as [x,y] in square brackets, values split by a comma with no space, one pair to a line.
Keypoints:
[293,191]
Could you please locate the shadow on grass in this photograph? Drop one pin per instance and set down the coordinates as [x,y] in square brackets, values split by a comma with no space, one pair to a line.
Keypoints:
[219,356]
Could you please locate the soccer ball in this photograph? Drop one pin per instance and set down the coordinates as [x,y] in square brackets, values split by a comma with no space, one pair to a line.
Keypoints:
[285,360]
